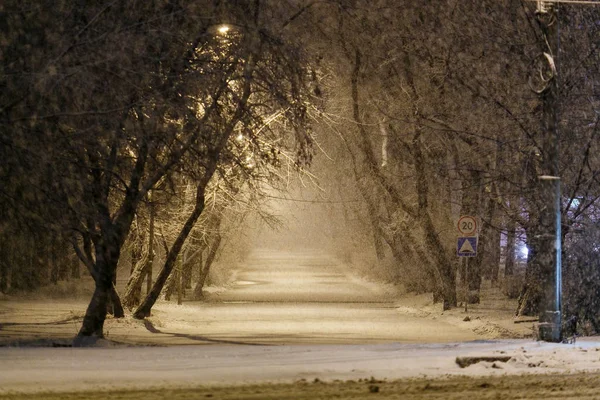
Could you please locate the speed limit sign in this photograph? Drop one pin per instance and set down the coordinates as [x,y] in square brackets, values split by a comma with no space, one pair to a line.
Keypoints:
[467,225]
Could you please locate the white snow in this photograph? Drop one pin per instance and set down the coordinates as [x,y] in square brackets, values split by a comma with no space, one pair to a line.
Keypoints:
[66,369]
[285,318]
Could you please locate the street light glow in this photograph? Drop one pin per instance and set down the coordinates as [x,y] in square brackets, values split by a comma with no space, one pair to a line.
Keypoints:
[223,29]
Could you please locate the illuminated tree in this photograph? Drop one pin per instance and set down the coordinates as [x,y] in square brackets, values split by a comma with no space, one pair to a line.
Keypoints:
[110,98]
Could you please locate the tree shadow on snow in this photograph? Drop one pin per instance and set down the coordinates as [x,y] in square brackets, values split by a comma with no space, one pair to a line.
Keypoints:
[152,329]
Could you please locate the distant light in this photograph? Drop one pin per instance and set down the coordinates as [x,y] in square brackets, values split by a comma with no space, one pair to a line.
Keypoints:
[240,137]
[223,29]
[524,251]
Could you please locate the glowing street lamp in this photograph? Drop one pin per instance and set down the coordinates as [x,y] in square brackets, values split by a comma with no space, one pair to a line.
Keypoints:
[223,29]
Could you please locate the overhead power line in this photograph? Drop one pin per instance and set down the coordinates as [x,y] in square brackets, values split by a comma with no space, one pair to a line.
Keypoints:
[568,1]
[313,201]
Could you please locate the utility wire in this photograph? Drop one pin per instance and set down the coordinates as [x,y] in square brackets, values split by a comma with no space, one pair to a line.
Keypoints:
[313,201]
[568,1]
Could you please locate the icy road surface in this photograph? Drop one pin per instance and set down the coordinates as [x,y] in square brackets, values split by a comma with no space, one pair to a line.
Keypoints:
[75,369]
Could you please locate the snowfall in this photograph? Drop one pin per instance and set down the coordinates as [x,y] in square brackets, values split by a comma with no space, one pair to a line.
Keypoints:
[283,318]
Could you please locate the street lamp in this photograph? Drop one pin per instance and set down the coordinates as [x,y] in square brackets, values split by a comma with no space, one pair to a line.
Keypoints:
[545,75]
[223,29]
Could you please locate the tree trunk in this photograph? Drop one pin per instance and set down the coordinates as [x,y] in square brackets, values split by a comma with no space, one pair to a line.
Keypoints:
[173,281]
[171,285]
[408,252]
[445,269]
[187,269]
[539,293]
[493,255]
[144,309]
[135,255]
[143,267]
[375,229]
[531,295]
[133,290]
[206,269]
[197,295]
[446,273]
[509,261]
[107,249]
[148,274]
[115,302]
[472,205]
[95,315]
[148,269]
[179,275]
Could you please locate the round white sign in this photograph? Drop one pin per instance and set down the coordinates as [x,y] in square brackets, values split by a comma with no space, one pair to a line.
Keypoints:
[467,225]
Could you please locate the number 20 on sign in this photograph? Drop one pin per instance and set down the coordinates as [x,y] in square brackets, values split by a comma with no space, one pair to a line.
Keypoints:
[467,225]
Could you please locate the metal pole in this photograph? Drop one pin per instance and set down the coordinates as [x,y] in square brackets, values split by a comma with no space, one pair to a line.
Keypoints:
[550,218]
[550,327]
[547,15]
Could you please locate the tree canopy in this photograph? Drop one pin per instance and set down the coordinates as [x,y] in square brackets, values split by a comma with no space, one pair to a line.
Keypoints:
[117,119]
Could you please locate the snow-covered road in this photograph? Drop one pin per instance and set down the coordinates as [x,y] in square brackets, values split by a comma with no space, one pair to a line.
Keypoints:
[302,297]
[299,277]
[285,317]
[76,369]
[276,298]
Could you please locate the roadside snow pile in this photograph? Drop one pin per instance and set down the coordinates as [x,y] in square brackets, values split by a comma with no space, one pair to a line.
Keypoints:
[494,330]
[493,318]
[541,357]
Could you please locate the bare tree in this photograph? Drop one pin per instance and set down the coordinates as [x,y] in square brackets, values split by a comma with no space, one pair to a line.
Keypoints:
[123,94]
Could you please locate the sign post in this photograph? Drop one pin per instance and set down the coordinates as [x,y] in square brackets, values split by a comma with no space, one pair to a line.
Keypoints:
[466,246]
[467,225]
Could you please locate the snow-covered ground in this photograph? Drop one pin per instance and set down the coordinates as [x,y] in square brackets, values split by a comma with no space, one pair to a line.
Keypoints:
[286,317]
[280,298]
[75,369]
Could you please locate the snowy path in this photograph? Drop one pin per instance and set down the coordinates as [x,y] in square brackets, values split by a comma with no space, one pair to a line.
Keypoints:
[284,298]
[310,277]
[277,298]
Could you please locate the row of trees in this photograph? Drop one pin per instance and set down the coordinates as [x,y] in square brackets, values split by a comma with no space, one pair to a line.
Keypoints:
[110,107]
[144,126]
[451,109]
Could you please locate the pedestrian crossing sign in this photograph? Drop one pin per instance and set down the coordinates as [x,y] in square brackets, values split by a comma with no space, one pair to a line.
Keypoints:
[466,246]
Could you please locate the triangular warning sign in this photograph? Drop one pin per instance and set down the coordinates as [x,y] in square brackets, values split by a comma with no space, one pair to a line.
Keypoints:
[466,247]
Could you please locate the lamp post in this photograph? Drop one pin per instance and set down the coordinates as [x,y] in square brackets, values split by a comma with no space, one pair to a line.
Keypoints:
[547,74]
[548,254]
